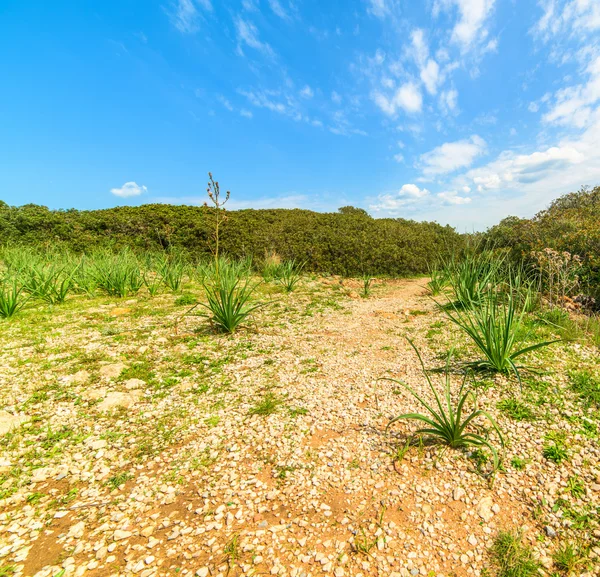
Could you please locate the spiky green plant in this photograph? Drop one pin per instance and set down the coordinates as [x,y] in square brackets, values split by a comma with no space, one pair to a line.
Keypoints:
[367,280]
[11,300]
[49,282]
[472,276]
[229,301]
[496,328]
[290,275]
[447,420]
[117,274]
[438,280]
[171,269]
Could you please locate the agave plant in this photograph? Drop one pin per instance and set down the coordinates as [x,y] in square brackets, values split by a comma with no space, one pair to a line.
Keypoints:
[229,301]
[10,299]
[472,277]
[289,275]
[447,420]
[171,269]
[117,274]
[438,280]
[497,328]
[367,280]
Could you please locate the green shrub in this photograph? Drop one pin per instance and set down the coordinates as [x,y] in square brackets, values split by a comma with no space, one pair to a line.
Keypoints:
[10,299]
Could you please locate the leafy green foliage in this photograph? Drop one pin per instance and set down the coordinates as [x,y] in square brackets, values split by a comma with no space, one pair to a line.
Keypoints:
[516,410]
[346,242]
[447,420]
[367,280]
[471,277]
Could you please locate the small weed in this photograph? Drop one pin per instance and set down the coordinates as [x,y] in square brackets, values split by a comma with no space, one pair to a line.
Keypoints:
[186,300]
[570,558]
[516,410]
[119,479]
[518,463]
[576,487]
[586,385]
[212,421]
[512,557]
[555,452]
[269,405]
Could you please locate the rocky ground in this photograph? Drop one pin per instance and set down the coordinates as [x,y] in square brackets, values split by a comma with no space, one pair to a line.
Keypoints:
[136,441]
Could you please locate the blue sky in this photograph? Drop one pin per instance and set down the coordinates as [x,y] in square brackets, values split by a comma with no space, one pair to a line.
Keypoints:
[460,111]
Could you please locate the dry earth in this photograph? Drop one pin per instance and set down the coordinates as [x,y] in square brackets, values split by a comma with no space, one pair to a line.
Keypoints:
[137,442]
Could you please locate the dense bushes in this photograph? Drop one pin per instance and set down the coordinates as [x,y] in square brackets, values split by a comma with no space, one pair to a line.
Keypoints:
[348,242]
[570,224]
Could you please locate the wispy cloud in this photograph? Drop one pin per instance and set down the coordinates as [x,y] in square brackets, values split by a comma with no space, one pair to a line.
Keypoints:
[391,203]
[129,189]
[307,92]
[470,29]
[247,34]
[185,16]
[278,9]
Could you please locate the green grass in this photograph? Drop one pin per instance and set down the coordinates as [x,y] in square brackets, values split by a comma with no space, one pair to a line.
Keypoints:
[512,557]
[555,452]
[516,410]
[587,386]
[267,406]
[570,558]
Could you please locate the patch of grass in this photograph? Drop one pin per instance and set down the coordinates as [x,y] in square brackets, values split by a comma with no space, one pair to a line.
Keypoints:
[555,452]
[34,498]
[212,421]
[7,570]
[141,370]
[297,411]
[587,386]
[119,479]
[516,410]
[518,463]
[512,557]
[269,405]
[186,300]
[570,558]
[576,487]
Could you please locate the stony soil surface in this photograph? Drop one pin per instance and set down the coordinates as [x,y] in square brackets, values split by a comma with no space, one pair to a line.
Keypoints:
[135,441]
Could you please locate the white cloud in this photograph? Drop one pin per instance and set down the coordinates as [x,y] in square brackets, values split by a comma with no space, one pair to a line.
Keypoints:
[399,157]
[448,101]
[225,103]
[430,75]
[306,92]
[564,16]
[419,46]
[129,189]
[336,97]
[184,14]
[451,156]
[247,34]
[406,196]
[573,105]
[470,29]
[408,97]
[378,8]
[278,9]
[514,170]
[451,197]
[246,113]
